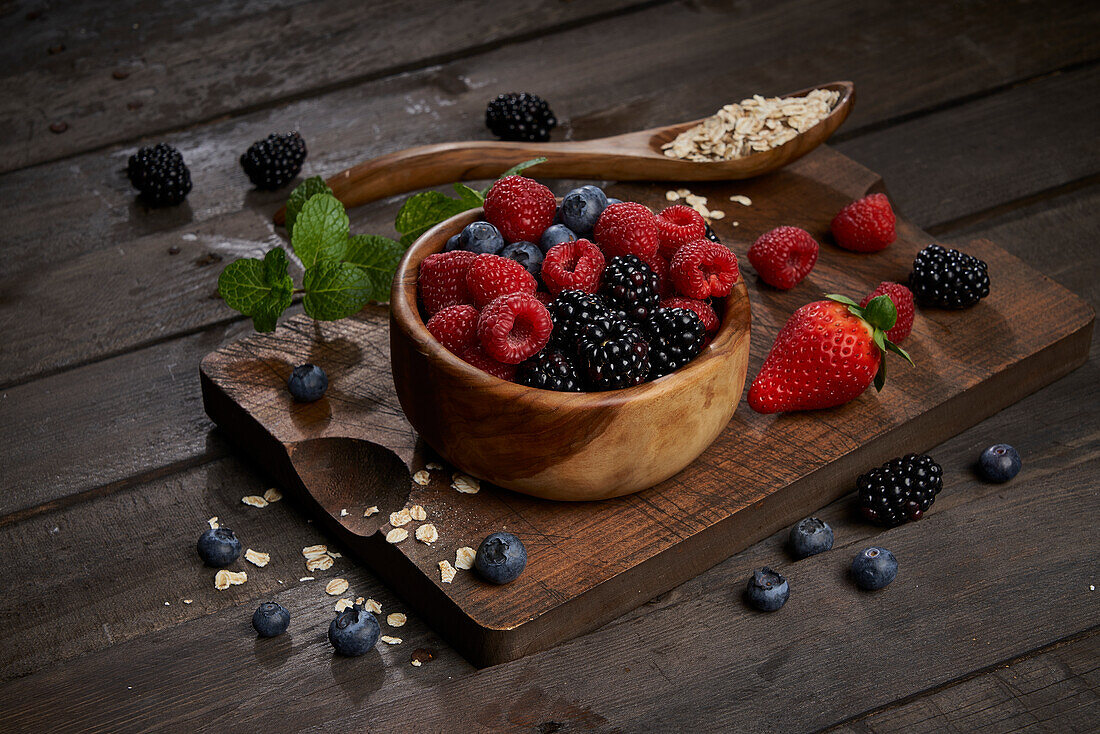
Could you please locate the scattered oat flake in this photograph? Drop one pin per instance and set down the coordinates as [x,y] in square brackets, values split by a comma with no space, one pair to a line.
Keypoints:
[372,510]
[343,512]
[433,465]
[167,604]
[254,500]
[740,199]
[321,563]
[358,600]
[213,523]
[717,214]
[313,551]
[446,572]
[334,554]
[672,196]
[308,578]
[422,477]
[401,517]
[396,535]
[344,604]
[273,495]
[372,606]
[397,619]
[257,558]
[224,579]
[390,640]
[421,656]
[188,601]
[416,663]
[464,558]
[427,534]
[465,483]
[336,587]
[683,192]
[418,513]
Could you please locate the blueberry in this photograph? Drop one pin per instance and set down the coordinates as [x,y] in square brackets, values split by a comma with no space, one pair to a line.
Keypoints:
[581,208]
[454,242]
[500,558]
[307,383]
[555,234]
[270,619]
[353,632]
[482,238]
[874,568]
[999,463]
[767,590]
[218,547]
[810,537]
[526,254]
[612,200]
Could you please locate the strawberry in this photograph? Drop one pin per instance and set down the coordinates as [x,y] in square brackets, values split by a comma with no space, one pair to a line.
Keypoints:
[827,353]
[903,302]
[521,208]
[866,225]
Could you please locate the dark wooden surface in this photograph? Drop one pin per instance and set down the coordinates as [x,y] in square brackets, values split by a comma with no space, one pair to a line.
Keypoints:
[761,473]
[980,117]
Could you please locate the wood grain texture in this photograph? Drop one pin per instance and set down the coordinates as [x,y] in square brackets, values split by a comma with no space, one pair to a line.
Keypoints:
[555,445]
[86,205]
[969,364]
[186,64]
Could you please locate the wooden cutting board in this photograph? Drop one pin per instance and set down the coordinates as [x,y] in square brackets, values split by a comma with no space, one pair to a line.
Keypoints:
[591,562]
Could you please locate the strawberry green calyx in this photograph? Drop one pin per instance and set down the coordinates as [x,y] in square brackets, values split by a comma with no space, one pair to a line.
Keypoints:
[881,315]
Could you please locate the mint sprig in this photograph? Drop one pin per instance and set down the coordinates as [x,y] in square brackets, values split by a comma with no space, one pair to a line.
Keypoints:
[261,289]
[300,195]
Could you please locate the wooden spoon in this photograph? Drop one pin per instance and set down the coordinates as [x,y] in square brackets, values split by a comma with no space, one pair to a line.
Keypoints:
[634,156]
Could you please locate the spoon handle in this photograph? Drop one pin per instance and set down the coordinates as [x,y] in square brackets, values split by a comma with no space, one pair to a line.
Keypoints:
[433,165]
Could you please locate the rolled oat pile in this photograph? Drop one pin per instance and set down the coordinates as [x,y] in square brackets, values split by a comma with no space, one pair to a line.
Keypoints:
[754,125]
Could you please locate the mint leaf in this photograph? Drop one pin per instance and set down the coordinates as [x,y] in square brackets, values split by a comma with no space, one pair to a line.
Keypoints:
[377,257]
[422,211]
[470,197]
[300,195]
[320,231]
[335,290]
[521,167]
[258,288]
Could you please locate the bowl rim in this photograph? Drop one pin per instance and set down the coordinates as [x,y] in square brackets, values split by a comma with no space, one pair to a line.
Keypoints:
[405,311]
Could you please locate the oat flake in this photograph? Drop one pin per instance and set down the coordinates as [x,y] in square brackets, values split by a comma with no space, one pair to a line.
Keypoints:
[464,558]
[390,640]
[740,199]
[433,465]
[416,663]
[313,551]
[308,578]
[427,534]
[372,606]
[396,535]
[399,518]
[254,500]
[273,495]
[446,572]
[372,510]
[343,604]
[343,512]
[422,477]
[336,587]
[213,523]
[257,558]
[397,619]
[321,563]
[465,484]
[418,513]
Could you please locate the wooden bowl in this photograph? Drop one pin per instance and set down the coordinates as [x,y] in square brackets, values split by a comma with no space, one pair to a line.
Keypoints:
[555,445]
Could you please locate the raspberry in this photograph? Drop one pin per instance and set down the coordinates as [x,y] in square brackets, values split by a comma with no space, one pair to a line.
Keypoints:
[783,256]
[575,265]
[272,163]
[442,280]
[677,226]
[627,228]
[455,327]
[544,297]
[521,208]
[478,358]
[522,116]
[659,265]
[514,327]
[702,309]
[704,269]
[903,302]
[160,174]
[492,276]
[866,225]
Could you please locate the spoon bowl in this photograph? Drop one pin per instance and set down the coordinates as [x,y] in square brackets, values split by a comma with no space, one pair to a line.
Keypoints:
[635,156]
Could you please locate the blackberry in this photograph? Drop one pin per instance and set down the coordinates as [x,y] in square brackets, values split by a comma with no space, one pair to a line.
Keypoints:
[711,236]
[274,162]
[948,278]
[900,490]
[571,311]
[160,174]
[614,353]
[675,336]
[520,116]
[630,286]
[550,369]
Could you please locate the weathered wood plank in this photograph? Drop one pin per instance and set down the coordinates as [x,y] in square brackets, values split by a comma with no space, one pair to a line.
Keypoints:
[693,655]
[85,203]
[165,295]
[182,64]
[1053,691]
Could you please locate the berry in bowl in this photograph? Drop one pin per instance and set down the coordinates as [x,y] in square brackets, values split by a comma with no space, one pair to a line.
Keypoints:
[599,369]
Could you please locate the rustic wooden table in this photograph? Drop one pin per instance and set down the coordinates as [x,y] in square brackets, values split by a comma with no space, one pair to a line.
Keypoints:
[982,120]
